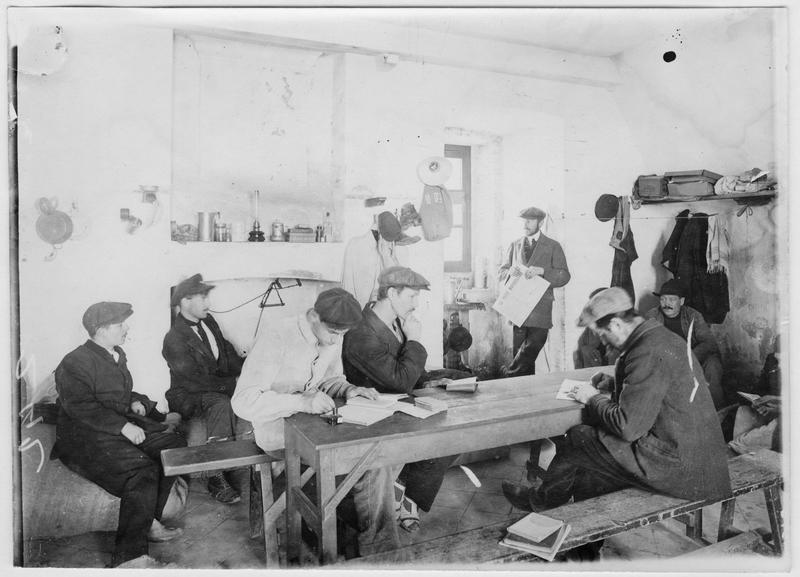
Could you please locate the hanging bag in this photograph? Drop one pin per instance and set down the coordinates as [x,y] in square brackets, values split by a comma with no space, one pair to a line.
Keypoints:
[436,213]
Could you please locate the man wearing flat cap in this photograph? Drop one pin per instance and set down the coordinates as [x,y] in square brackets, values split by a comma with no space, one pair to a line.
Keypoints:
[657,430]
[384,352]
[203,367]
[682,319]
[112,435]
[296,367]
[534,254]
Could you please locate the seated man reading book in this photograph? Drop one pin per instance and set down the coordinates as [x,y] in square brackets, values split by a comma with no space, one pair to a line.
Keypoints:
[658,430]
[384,352]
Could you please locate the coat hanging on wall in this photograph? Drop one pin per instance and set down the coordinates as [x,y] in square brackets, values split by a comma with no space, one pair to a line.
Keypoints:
[684,256]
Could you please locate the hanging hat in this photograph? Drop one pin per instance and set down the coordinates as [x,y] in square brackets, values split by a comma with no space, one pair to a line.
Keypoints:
[338,309]
[391,231]
[374,201]
[434,170]
[606,207]
[395,276]
[105,313]
[606,302]
[459,339]
[193,285]
[533,212]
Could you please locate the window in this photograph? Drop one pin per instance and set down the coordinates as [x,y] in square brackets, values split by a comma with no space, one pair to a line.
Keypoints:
[458,246]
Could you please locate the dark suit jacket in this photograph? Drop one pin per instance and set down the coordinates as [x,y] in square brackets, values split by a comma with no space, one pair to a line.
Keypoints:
[193,368]
[653,427]
[373,357]
[95,393]
[549,255]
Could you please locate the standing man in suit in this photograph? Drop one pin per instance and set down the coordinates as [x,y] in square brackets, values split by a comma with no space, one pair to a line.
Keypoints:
[534,254]
[203,368]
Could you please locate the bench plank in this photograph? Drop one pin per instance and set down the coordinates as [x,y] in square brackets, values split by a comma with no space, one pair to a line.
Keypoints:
[591,520]
[215,456]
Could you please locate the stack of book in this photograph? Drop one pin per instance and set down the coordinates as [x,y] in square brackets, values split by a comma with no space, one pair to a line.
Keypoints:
[430,404]
[537,534]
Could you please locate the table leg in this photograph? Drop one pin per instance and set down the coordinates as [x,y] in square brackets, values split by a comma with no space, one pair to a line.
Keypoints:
[326,488]
[292,511]
[772,496]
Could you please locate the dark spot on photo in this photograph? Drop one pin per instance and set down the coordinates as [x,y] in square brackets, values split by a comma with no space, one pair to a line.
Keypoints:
[669,56]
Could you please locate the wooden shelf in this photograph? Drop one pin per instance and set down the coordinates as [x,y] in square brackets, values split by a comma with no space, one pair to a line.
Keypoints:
[743,198]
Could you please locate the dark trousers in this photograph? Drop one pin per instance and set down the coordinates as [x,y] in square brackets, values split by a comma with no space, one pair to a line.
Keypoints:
[528,341]
[423,479]
[216,411]
[582,468]
[134,474]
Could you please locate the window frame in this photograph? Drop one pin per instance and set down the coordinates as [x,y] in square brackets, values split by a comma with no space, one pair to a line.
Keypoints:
[464,153]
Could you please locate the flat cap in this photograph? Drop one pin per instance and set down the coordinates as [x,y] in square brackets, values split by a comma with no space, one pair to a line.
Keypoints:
[338,309]
[105,313]
[193,285]
[672,287]
[396,276]
[533,212]
[611,300]
[391,231]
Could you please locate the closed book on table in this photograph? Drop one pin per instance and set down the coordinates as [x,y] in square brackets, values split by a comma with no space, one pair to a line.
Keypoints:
[468,385]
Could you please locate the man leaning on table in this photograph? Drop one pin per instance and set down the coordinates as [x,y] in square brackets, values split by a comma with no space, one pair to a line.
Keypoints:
[296,367]
[657,430]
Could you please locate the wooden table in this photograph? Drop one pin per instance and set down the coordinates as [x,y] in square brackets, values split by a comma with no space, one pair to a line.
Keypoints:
[501,412]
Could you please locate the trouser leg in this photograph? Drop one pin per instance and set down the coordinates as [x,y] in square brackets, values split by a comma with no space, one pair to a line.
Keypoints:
[528,342]
[133,475]
[373,498]
[219,416]
[712,370]
[582,468]
[152,446]
[423,479]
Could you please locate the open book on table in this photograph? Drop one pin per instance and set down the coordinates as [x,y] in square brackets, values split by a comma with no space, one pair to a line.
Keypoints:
[567,388]
[537,534]
[362,411]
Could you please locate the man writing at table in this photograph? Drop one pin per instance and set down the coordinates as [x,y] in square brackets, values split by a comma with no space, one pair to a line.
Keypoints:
[658,430]
[296,367]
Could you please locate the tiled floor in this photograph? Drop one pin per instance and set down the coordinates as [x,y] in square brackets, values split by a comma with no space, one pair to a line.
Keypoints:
[216,536]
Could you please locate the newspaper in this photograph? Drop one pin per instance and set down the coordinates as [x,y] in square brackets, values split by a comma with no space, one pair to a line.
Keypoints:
[518,296]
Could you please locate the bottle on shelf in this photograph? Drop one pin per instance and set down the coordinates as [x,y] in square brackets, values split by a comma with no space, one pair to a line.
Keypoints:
[327,228]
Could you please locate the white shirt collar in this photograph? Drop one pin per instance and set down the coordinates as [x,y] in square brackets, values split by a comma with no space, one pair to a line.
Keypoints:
[535,236]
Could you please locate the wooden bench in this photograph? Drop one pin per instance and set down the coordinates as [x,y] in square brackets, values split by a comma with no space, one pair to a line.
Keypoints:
[604,516]
[264,509]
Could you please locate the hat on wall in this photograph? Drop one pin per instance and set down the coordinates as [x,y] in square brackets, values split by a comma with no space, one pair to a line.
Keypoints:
[672,287]
[338,309]
[434,170]
[606,207]
[105,313]
[374,201]
[409,216]
[606,302]
[391,231]
[396,276]
[533,212]
[193,285]
[459,339]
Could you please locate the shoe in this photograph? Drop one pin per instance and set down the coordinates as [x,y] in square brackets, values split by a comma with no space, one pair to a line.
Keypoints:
[158,533]
[221,490]
[409,515]
[517,495]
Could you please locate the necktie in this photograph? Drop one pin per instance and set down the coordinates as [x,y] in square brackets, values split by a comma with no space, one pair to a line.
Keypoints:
[202,334]
[528,251]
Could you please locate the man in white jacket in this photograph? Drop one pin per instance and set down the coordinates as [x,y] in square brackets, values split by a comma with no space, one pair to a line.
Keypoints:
[296,366]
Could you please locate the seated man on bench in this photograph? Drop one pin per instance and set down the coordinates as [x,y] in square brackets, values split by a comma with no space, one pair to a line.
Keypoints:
[658,430]
[113,436]
[296,366]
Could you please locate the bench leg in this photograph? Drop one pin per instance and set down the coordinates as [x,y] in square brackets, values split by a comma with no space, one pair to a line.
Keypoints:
[270,532]
[772,496]
[694,524]
[256,505]
[726,513]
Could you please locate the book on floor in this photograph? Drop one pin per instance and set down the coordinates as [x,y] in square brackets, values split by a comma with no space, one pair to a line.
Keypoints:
[537,534]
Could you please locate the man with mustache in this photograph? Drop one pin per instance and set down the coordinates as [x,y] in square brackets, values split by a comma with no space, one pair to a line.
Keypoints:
[678,317]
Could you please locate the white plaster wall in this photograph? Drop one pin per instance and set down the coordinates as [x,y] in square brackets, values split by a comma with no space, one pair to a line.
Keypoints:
[89,135]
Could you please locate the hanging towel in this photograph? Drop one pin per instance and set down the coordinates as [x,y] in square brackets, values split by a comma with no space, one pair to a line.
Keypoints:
[621,223]
[718,248]
[624,248]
